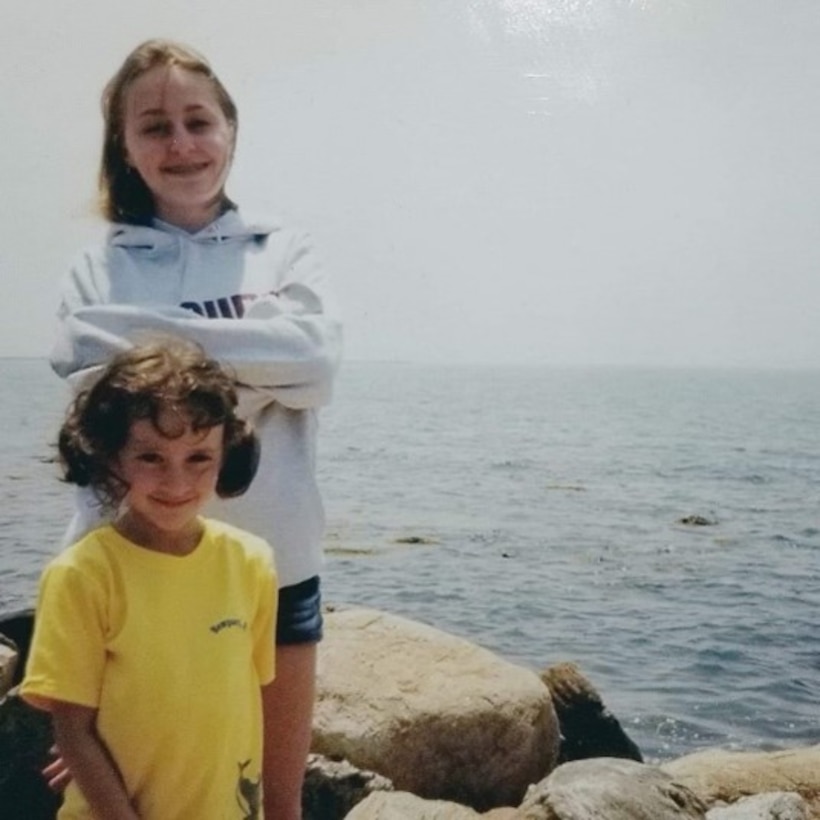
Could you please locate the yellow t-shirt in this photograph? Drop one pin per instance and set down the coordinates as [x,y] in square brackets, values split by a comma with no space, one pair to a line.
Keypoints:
[172,652]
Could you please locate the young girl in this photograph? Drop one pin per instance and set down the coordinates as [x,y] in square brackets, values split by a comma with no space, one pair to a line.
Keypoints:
[179,258]
[154,633]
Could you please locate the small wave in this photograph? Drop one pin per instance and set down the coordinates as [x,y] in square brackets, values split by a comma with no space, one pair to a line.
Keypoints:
[662,736]
[487,537]
[350,552]
[511,465]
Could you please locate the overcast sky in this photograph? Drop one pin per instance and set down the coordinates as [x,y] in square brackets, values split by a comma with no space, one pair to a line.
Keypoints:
[559,181]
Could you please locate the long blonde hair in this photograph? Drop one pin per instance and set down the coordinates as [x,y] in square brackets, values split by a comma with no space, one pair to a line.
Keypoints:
[123,195]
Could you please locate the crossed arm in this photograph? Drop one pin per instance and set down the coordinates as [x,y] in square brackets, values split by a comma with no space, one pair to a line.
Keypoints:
[287,346]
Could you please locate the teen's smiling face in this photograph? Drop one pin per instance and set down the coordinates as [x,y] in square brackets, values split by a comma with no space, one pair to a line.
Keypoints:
[170,478]
[180,142]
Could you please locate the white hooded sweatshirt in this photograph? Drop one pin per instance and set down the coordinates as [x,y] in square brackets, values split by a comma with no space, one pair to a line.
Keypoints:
[253,295]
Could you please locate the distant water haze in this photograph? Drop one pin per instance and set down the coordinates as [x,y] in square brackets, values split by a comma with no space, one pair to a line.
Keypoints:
[600,182]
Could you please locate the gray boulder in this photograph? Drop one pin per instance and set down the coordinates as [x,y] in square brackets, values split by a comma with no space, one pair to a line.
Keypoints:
[588,728]
[16,629]
[770,806]
[439,716]
[717,775]
[406,806]
[25,739]
[8,664]
[332,788]
[606,788]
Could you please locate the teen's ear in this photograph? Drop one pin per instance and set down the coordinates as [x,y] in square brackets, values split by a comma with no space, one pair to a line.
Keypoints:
[239,465]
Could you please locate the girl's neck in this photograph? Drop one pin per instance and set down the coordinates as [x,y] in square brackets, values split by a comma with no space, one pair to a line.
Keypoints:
[143,533]
[191,219]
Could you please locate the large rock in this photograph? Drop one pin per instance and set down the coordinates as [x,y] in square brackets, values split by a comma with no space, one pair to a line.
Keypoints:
[719,775]
[17,628]
[9,657]
[774,806]
[610,789]
[25,739]
[588,728]
[406,806]
[332,788]
[439,716]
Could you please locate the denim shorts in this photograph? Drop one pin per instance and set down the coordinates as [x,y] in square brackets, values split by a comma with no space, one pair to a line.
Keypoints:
[300,613]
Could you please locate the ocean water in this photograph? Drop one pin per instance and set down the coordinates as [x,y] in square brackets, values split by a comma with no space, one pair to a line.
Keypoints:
[537,511]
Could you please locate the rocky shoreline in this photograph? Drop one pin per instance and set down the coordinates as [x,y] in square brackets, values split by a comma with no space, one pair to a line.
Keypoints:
[413,723]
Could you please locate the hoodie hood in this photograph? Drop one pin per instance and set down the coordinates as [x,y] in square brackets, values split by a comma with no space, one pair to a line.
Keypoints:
[228,227]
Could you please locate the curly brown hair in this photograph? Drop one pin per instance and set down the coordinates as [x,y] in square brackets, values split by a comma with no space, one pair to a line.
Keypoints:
[140,384]
[123,195]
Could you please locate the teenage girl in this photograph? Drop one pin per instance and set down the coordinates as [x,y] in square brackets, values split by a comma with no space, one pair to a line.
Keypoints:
[180,258]
[154,633]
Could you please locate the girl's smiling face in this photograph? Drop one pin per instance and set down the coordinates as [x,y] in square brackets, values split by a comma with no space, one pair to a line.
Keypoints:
[169,478]
[180,142]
